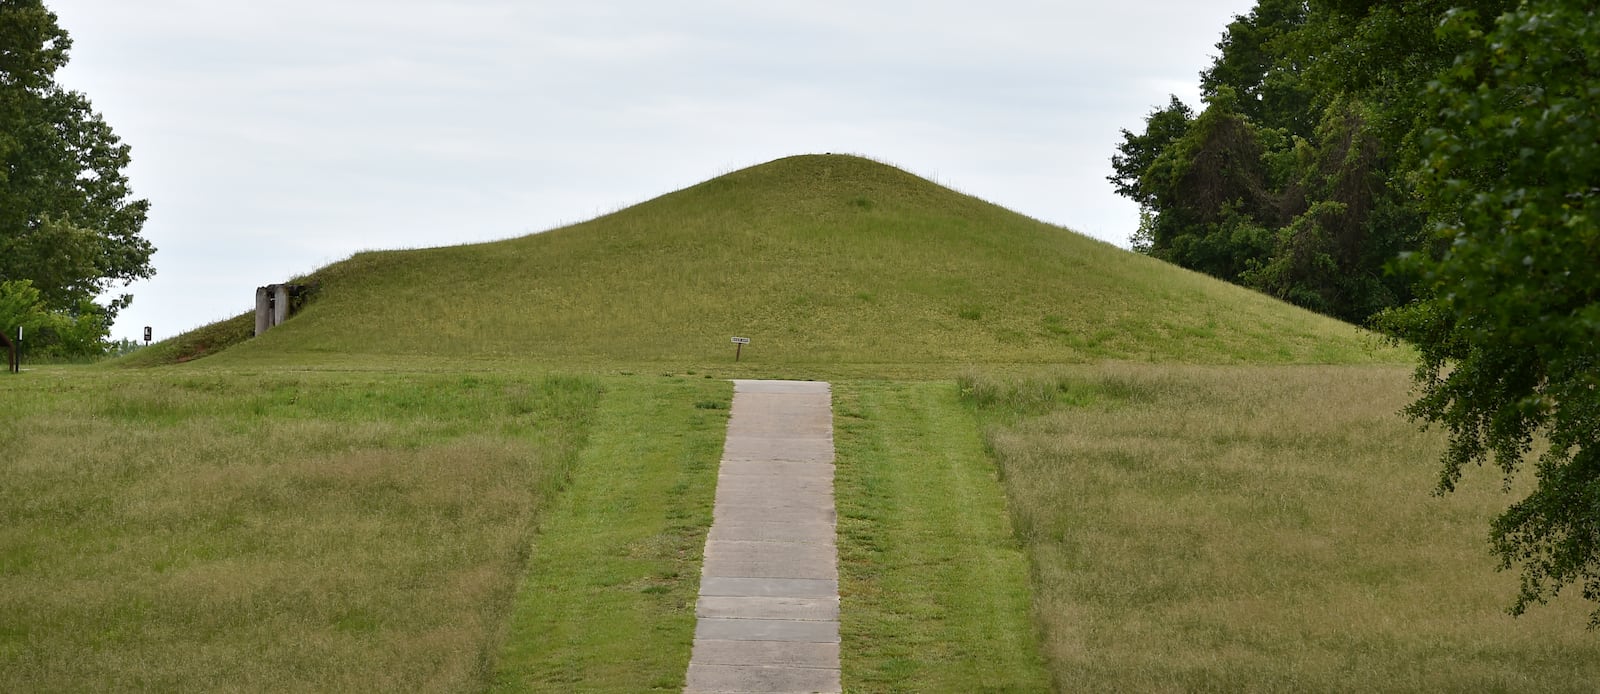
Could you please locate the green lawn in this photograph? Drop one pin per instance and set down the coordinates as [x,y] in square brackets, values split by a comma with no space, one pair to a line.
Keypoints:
[357,530]
[933,585]
[608,604]
[351,531]
[1260,529]
[1155,528]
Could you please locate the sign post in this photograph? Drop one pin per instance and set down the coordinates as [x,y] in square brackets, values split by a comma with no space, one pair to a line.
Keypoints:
[147,335]
[19,350]
[738,346]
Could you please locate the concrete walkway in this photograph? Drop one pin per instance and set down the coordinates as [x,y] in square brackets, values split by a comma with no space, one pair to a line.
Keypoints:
[768,614]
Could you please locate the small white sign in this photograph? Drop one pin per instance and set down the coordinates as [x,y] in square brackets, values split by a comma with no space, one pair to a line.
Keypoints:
[741,340]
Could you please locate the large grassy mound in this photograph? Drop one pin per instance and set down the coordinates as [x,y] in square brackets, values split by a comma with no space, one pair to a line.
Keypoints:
[824,259]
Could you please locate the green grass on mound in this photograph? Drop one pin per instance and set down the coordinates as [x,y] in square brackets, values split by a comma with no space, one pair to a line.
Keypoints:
[823,259]
[1260,529]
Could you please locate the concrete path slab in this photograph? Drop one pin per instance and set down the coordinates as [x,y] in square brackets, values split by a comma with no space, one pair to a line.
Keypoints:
[766,653]
[771,530]
[745,629]
[822,609]
[799,450]
[742,587]
[772,511]
[768,614]
[767,559]
[787,468]
[739,678]
[746,493]
[776,386]
[801,481]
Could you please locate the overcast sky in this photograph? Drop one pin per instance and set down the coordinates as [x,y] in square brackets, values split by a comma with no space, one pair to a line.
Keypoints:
[272,138]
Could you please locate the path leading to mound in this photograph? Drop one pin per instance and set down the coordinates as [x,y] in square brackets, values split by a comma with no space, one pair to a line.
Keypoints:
[768,614]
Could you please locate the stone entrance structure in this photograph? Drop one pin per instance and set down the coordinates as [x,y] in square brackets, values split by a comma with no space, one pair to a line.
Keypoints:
[276,302]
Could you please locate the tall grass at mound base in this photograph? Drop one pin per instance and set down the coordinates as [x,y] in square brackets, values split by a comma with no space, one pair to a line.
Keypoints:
[216,531]
[821,259]
[1260,529]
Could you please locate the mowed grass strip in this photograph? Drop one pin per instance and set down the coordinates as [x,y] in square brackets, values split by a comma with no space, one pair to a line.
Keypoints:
[213,531]
[933,585]
[1261,529]
[608,605]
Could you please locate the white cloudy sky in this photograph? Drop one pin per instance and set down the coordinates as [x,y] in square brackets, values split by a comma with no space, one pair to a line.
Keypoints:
[275,137]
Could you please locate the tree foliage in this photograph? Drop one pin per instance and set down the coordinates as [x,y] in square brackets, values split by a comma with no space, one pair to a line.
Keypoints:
[1461,135]
[1509,322]
[50,333]
[1293,178]
[1248,61]
[68,222]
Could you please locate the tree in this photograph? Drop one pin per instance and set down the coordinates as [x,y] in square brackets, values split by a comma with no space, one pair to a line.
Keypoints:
[1249,59]
[1209,191]
[1509,321]
[1343,220]
[1138,152]
[68,222]
[1294,179]
[53,333]
[20,307]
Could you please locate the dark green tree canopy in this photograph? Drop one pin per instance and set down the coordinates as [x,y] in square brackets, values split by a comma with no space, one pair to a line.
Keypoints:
[68,222]
[1509,320]
[1248,59]
[1293,179]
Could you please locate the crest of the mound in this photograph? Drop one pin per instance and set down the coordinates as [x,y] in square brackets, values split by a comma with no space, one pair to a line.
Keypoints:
[820,259]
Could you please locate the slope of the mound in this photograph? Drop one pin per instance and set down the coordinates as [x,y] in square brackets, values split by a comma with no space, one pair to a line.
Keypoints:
[817,259]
